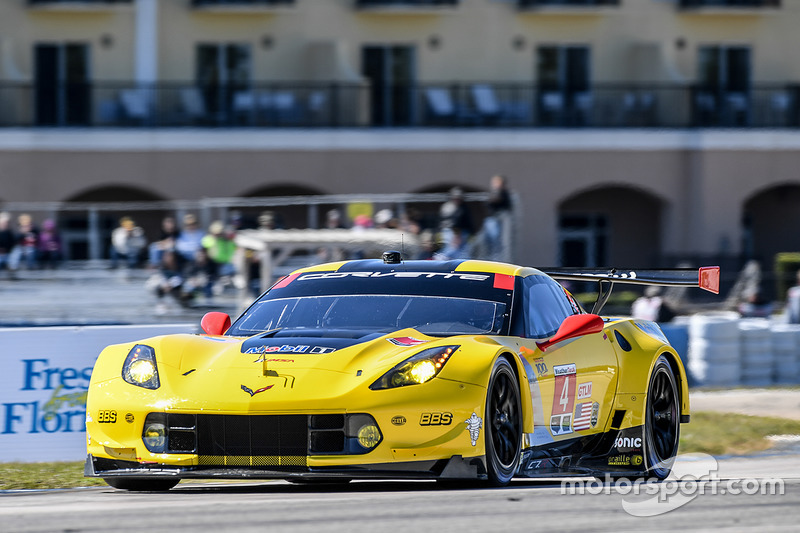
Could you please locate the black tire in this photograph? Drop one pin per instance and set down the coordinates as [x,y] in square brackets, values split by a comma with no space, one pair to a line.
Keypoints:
[503,424]
[142,484]
[662,420]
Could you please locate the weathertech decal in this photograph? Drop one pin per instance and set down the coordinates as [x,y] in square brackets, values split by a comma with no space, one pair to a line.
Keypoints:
[563,399]
[438,275]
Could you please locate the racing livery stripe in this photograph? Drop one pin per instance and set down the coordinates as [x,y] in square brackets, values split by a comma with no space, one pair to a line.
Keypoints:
[504,281]
[285,281]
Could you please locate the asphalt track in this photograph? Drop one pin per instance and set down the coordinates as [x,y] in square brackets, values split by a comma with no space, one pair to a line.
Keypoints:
[729,503]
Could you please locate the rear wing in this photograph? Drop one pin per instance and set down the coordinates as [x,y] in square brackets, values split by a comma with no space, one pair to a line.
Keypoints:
[706,278]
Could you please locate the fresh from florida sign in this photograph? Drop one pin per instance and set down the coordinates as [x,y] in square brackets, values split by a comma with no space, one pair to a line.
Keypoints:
[43,386]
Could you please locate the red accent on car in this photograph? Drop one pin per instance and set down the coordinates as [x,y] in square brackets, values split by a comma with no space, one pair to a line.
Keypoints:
[283,282]
[504,281]
[215,323]
[709,279]
[572,327]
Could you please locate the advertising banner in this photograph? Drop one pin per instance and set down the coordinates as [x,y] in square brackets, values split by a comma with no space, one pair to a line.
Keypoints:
[43,383]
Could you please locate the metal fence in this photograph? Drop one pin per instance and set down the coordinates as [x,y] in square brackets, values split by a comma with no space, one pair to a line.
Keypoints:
[85,227]
[456,104]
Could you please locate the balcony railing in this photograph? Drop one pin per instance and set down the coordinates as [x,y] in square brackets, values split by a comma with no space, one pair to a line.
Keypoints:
[241,3]
[414,4]
[76,2]
[733,4]
[351,105]
[527,4]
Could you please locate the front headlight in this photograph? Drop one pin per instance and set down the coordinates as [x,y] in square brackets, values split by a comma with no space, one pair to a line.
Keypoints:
[140,367]
[418,368]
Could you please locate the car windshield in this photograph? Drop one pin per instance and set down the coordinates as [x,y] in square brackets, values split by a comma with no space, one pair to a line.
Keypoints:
[432,315]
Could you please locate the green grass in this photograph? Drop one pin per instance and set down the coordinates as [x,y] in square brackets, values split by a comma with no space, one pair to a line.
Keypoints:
[732,434]
[15,476]
[712,433]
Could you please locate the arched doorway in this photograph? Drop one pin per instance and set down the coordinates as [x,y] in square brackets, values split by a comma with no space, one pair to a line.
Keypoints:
[768,228]
[86,233]
[610,226]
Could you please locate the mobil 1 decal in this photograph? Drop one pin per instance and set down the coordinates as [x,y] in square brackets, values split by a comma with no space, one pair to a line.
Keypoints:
[563,399]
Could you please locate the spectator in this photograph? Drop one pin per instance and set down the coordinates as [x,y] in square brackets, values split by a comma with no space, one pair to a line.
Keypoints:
[26,248]
[169,280]
[755,306]
[199,277]
[793,302]
[7,240]
[385,219]
[652,307]
[457,248]
[127,243]
[190,239]
[427,246]
[266,220]
[50,250]
[333,220]
[454,213]
[221,248]
[497,225]
[166,241]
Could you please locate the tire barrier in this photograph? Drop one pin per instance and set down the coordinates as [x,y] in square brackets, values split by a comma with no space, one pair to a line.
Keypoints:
[726,350]
[786,351]
[714,350]
[757,358]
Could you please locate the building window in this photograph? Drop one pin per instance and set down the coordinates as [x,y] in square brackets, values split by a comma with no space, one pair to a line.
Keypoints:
[391,73]
[723,92]
[563,74]
[222,70]
[62,84]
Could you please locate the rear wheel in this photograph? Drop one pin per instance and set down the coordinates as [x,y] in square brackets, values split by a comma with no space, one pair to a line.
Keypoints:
[662,420]
[142,484]
[503,431]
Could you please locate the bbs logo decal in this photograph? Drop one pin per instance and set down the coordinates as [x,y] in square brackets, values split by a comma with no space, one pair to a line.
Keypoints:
[107,417]
[436,419]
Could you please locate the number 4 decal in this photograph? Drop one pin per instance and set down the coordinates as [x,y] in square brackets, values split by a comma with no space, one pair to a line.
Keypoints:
[563,399]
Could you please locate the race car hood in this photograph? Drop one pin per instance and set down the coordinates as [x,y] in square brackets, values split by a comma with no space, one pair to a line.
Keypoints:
[234,374]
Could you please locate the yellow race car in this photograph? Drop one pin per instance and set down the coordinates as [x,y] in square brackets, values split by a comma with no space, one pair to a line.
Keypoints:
[397,369]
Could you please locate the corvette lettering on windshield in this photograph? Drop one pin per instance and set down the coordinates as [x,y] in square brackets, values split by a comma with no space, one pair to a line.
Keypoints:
[439,275]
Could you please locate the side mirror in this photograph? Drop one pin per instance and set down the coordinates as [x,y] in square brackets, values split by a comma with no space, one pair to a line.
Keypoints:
[572,327]
[215,323]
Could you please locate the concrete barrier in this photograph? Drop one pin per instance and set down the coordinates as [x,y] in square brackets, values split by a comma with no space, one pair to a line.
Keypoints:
[43,383]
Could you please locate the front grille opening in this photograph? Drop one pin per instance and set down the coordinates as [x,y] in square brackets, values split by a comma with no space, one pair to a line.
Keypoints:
[327,421]
[181,421]
[181,441]
[327,442]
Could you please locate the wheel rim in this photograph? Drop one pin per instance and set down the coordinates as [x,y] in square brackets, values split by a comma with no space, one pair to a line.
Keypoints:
[505,425]
[662,418]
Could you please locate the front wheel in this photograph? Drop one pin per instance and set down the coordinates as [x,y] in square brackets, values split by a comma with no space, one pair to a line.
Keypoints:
[503,434]
[142,484]
[662,420]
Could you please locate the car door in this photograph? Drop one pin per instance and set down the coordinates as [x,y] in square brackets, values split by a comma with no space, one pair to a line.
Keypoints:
[574,381]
